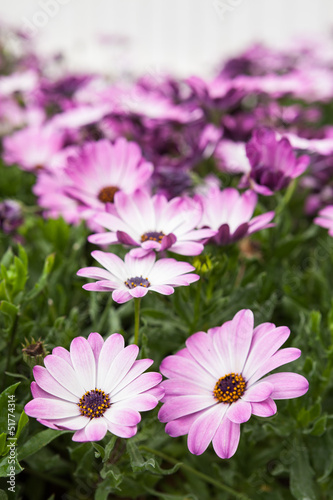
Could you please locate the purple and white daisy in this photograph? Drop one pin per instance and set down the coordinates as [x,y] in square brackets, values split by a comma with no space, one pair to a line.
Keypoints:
[95,387]
[215,383]
[100,169]
[229,212]
[152,224]
[273,162]
[134,278]
[325,219]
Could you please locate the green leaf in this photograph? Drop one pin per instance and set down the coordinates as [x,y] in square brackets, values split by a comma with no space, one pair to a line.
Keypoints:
[5,465]
[319,426]
[24,419]
[42,282]
[21,276]
[4,400]
[3,437]
[302,485]
[99,450]
[9,309]
[109,447]
[3,495]
[37,442]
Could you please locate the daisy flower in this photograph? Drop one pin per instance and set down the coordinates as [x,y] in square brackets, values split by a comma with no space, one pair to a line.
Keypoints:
[134,278]
[273,162]
[95,387]
[100,169]
[152,224]
[33,147]
[325,219]
[229,213]
[215,383]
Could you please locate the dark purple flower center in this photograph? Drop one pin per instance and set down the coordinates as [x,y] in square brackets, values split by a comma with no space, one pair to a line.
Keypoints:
[106,194]
[137,281]
[229,388]
[94,404]
[153,236]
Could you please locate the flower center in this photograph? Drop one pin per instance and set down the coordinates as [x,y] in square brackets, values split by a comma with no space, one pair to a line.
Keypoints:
[94,404]
[106,194]
[229,388]
[137,281]
[153,236]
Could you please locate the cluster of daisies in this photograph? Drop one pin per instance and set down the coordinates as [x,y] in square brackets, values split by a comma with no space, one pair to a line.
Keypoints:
[142,164]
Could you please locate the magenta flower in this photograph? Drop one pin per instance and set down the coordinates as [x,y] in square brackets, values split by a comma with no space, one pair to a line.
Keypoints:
[152,224]
[229,213]
[215,383]
[33,147]
[273,162]
[134,278]
[96,387]
[325,219]
[101,169]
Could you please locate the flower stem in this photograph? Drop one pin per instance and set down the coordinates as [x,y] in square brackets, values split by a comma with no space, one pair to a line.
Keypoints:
[203,476]
[136,320]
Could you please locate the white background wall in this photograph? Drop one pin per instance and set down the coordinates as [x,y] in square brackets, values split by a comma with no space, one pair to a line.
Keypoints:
[182,36]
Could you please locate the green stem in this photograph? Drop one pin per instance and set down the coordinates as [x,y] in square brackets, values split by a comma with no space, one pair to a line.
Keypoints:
[203,476]
[136,320]
[287,197]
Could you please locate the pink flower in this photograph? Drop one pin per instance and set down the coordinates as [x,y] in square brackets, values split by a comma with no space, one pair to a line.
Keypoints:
[229,213]
[152,224]
[215,383]
[134,278]
[325,219]
[101,169]
[33,147]
[96,387]
[273,162]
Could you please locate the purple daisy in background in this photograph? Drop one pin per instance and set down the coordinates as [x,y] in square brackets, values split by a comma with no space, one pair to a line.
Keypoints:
[229,212]
[215,383]
[95,387]
[152,224]
[33,147]
[273,162]
[325,219]
[134,278]
[100,169]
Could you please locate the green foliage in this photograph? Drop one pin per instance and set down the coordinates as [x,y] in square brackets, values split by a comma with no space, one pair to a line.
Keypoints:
[286,280]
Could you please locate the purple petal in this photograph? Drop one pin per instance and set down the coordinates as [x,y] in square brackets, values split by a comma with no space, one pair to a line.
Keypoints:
[46,382]
[111,348]
[84,362]
[264,408]
[119,367]
[163,289]
[181,426]
[122,416]
[121,296]
[141,402]
[126,239]
[204,428]
[281,357]
[179,406]
[226,439]
[239,412]
[141,384]
[258,392]
[96,343]
[51,408]
[287,385]
[64,374]
[96,429]
[122,431]
[62,353]
[239,338]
